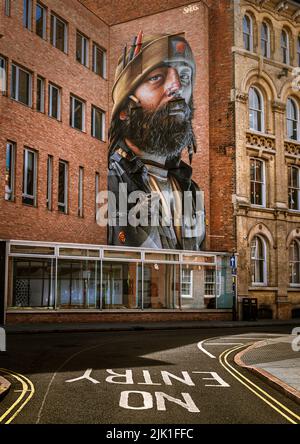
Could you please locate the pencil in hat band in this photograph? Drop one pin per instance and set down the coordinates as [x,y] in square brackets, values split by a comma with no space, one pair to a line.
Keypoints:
[153,52]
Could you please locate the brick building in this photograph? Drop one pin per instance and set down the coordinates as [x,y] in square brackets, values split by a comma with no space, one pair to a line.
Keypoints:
[59,60]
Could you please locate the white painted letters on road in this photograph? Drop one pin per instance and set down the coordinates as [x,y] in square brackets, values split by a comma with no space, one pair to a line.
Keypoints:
[127,376]
[215,377]
[188,404]
[147,401]
[87,375]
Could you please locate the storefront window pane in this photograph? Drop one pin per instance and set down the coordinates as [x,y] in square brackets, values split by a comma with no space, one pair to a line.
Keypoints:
[161,286]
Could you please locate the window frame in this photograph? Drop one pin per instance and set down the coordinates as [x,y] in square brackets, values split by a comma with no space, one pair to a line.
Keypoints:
[293,102]
[27,14]
[17,85]
[266,43]
[49,195]
[293,262]
[9,196]
[44,36]
[53,32]
[7,8]
[258,112]
[262,183]
[290,187]
[285,50]
[25,195]
[84,56]
[264,281]
[62,207]
[3,79]
[73,98]
[51,86]
[103,75]
[81,192]
[42,99]
[298,50]
[188,282]
[103,126]
[250,35]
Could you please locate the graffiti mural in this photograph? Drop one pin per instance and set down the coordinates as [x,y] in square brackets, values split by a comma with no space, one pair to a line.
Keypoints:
[152,200]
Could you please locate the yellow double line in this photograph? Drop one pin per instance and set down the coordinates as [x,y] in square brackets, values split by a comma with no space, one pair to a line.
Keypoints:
[27,389]
[262,394]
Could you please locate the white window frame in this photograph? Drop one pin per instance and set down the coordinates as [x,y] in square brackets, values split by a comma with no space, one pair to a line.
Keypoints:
[10,193]
[251,33]
[293,262]
[7,8]
[290,168]
[84,56]
[293,101]
[44,20]
[27,14]
[49,182]
[72,120]
[63,205]
[42,101]
[3,75]
[265,266]
[53,42]
[80,191]
[50,88]
[210,282]
[25,167]
[94,109]
[261,111]
[18,69]
[262,184]
[104,55]
[287,48]
[268,41]
[189,282]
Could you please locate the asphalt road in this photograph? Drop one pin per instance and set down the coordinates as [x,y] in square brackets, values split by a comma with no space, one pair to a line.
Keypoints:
[142,377]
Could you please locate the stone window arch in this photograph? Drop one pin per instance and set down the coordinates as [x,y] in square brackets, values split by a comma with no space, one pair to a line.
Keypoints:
[294,262]
[256,110]
[258,260]
[292,119]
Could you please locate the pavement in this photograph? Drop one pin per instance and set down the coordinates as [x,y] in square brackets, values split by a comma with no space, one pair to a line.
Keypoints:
[275,360]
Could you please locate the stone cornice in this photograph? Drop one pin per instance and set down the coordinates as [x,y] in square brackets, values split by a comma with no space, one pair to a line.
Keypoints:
[278,107]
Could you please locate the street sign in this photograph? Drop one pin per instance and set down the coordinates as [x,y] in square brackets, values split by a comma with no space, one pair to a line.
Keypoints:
[233,262]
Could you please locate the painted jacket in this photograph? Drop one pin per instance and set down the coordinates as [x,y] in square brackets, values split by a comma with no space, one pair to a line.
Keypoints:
[127,173]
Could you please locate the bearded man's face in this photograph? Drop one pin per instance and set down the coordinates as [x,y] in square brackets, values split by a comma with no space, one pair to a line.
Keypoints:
[162,123]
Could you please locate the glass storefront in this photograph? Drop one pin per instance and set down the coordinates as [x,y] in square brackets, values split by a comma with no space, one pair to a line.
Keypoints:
[98,278]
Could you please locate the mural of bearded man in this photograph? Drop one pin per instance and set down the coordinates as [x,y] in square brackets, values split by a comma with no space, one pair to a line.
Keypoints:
[151,127]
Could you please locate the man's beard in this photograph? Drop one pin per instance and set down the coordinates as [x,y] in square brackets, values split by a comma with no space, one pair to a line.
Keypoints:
[165,132]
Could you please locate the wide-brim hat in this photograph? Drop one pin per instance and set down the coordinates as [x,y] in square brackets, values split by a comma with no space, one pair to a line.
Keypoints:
[155,51]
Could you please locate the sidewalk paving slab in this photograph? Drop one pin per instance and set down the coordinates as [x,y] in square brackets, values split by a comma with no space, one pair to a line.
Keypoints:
[4,386]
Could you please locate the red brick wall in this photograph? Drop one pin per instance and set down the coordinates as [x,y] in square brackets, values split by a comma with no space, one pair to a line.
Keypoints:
[26,126]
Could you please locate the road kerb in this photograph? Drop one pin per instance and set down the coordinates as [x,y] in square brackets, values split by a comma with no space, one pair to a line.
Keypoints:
[4,386]
[289,391]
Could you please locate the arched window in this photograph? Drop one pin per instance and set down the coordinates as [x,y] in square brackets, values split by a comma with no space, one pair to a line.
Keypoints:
[258,261]
[298,50]
[258,182]
[294,262]
[292,119]
[265,40]
[248,32]
[256,110]
[285,50]
[294,188]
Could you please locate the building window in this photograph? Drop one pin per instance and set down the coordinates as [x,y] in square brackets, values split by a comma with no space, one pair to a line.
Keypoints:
[80,192]
[292,119]
[248,33]
[54,101]
[285,51]
[58,33]
[97,189]
[294,262]
[49,182]
[27,13]
[63,187]
[40,21]
[7,8]
[256,110]
[298,50]
[82,49]
[21,85]
[40,95]
[10,171]
[294,188]
[99,61]
[98,123]
[265,40]
[29,177]
[258,182]
[77,113]
[3,75]
[258,261]
[187,283]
